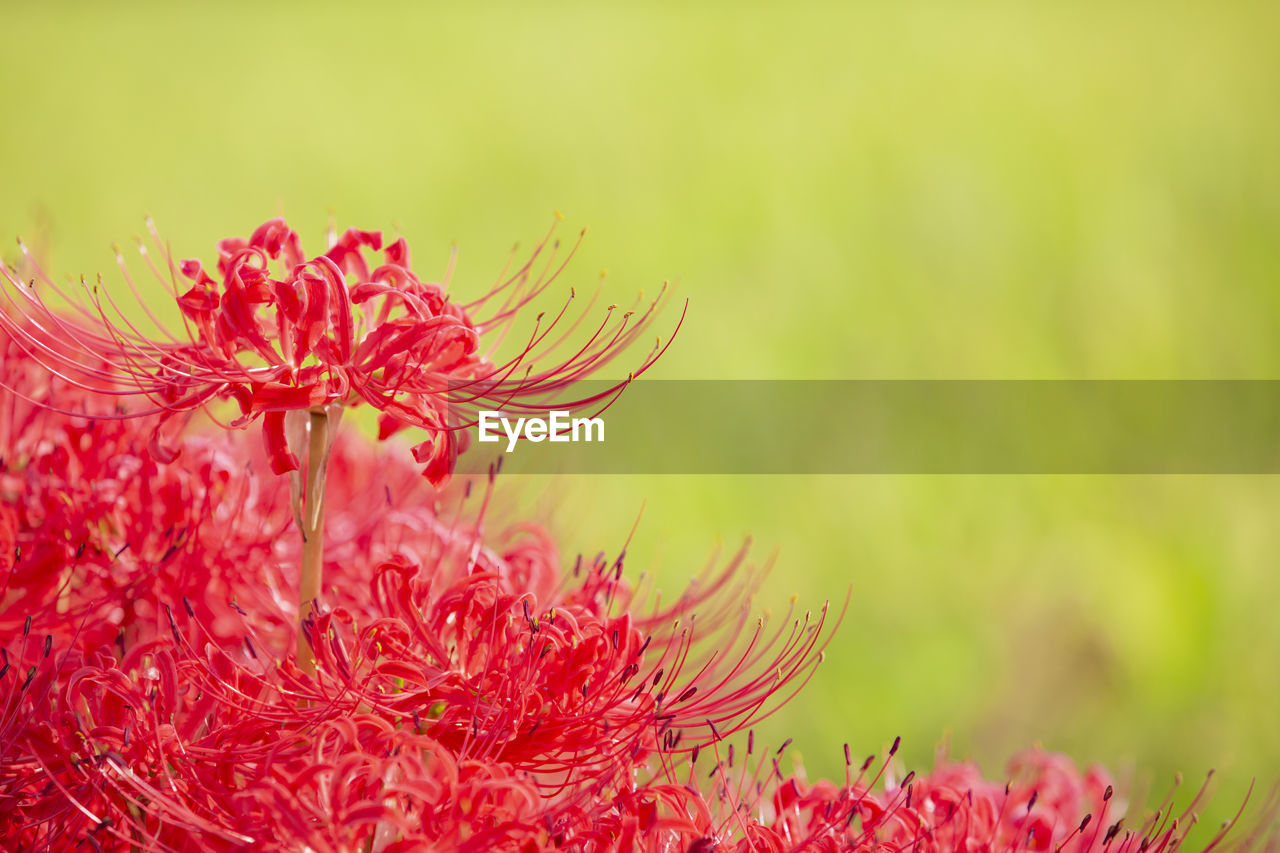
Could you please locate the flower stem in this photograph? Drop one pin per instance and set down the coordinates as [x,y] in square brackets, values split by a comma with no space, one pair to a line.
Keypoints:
[312,533]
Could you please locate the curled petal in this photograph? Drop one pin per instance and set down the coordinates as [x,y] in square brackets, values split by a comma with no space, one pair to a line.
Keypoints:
[281,457]
[439,454]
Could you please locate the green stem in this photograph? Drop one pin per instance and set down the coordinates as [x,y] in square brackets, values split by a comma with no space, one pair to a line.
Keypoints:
[312,533]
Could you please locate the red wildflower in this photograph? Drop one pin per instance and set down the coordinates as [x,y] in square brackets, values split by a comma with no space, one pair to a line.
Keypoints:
[466,694]
[278,331]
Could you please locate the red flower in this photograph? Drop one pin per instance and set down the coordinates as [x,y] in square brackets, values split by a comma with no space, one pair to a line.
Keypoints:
[278,331]
[466,695]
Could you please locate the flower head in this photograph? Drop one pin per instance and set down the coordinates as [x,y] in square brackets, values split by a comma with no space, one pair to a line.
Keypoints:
[277,331]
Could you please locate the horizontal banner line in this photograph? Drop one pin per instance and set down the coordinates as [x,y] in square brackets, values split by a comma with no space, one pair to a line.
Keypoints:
[894,427]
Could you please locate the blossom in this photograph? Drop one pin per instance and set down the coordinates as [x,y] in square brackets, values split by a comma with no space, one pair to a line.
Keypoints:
[277,331]
[467,691]
[471,691]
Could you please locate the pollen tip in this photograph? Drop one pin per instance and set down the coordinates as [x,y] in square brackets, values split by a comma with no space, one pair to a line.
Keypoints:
[559,216]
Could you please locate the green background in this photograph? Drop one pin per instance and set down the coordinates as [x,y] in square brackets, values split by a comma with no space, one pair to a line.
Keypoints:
[859,190]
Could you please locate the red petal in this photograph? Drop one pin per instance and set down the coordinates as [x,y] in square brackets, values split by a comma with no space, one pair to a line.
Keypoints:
[440,453]
[282,459]
[270,396]
[398,253]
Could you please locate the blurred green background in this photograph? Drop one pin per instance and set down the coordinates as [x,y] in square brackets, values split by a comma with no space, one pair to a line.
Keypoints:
[845,190]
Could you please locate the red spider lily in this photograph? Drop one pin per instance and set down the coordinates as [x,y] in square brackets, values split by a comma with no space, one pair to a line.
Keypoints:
[277,331]
[466,697]
[466,694]
[283,334]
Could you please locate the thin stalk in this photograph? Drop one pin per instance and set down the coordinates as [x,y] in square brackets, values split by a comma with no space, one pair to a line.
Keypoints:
[312,533]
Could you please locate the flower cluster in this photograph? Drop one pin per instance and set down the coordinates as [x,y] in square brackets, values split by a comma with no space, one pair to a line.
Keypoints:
[465,691]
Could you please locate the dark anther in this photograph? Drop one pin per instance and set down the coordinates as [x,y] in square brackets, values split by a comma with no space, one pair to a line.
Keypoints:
[173,626]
